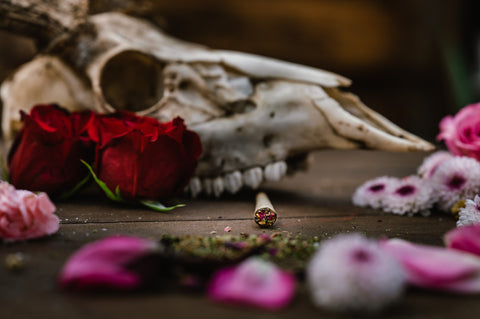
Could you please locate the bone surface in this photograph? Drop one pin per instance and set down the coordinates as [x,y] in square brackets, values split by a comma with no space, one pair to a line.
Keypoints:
[255,115]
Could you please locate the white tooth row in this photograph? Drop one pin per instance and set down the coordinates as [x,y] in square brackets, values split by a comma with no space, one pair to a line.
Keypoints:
[233,182]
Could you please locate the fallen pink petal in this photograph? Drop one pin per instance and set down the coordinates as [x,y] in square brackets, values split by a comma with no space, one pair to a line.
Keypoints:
[254,282]
[436,267]
[465,238]
[25,215]
[105,264]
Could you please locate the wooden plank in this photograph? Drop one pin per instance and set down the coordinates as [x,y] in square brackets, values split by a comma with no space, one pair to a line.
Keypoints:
[420,229]
[328,184]
[316,203]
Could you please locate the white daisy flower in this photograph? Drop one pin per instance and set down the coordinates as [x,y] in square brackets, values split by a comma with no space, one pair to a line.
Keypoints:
[456,179]
[372,192]
[352,273]
[470,214]
[431,163]
[410,195]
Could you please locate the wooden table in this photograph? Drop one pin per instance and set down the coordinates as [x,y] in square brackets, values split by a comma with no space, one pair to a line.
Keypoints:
[314,203]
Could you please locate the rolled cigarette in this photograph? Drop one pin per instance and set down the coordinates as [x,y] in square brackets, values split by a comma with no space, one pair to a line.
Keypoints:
[265,215]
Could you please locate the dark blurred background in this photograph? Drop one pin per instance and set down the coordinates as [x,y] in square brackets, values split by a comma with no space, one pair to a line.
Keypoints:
[413,61]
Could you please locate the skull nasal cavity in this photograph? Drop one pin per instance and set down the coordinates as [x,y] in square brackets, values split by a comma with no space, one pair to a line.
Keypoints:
[132,81]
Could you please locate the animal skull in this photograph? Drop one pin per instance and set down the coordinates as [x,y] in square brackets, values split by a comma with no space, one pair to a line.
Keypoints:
[257,117]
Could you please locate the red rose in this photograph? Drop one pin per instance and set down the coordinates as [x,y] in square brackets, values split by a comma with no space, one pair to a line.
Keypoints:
[145,159]
[46,154]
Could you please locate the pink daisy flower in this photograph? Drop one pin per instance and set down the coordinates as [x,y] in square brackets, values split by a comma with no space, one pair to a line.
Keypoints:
[470,214]
[431,163]
[410,195]
[352,273]
[372,192]
[456,179]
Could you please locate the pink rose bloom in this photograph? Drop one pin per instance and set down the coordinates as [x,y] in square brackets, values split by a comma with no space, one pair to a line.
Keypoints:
[254,282]
[435,267]
[105,264]
[465,238]
[461,132]
[25,215]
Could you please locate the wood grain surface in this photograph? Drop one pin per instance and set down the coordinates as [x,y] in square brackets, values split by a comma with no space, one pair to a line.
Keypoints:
[314,203]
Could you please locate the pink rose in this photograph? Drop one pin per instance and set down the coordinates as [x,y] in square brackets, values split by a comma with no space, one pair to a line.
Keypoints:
[25,215]
[461,132]
[106,264]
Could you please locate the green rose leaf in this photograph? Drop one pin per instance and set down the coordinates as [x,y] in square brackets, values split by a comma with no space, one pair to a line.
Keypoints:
[116,197]
[159,207]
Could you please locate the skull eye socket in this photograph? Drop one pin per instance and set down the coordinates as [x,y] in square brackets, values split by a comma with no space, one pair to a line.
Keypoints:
[132,81]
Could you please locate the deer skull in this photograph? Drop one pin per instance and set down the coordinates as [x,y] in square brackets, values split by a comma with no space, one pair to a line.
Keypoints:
[257,117]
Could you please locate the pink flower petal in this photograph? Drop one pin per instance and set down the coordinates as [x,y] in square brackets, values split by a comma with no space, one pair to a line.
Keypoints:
[253,282]
[436,267]
[104,264]
[466,238]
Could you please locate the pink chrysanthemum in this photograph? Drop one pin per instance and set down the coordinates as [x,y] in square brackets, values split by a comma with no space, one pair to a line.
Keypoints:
[456,179]
[470,214]
[254,282]
[411,195]
[352,273]
[431,163]
[372,192]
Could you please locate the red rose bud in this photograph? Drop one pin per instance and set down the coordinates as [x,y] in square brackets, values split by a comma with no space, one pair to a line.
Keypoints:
[46,154]
[145,159]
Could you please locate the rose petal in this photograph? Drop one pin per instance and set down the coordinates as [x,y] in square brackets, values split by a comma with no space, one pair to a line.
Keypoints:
[253,282]
[435,267]
[466,238]
[104,264]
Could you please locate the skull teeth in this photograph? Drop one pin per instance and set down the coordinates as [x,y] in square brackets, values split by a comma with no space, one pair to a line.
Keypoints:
[274,172]
[218,186]
[207,186]
[195,186]
[233,182]
[253,177]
